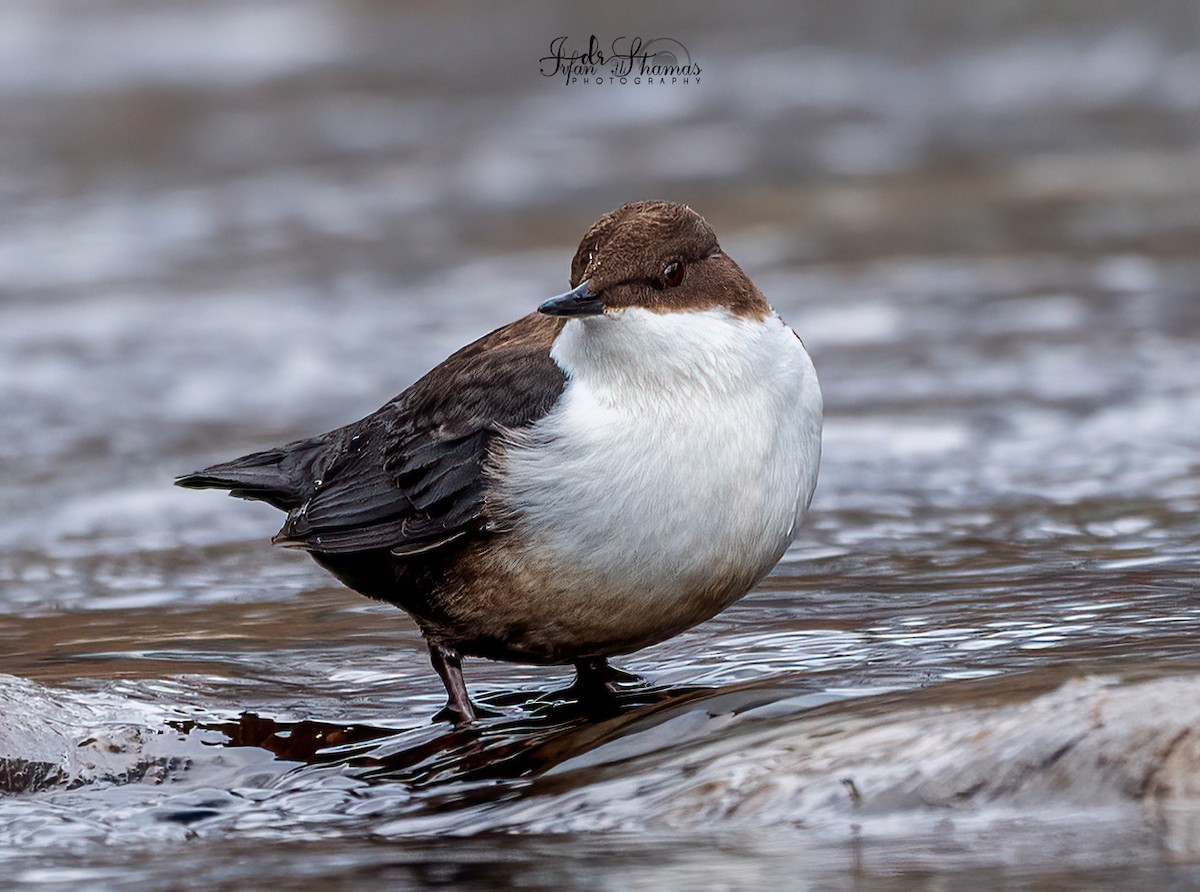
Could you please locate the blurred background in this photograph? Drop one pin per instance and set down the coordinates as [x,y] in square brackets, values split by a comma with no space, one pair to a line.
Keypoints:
[231,223]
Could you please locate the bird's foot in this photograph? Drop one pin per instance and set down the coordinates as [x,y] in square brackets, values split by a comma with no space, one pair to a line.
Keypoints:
[615,676]
[461,718]
[597,685]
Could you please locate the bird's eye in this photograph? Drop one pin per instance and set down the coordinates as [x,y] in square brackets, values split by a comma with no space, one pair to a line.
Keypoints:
[673,274]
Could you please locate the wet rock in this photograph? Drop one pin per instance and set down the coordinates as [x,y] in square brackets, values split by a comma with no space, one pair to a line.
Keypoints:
[1173,793]
[1129,751]
[59,738]
[51,738]
[23,776]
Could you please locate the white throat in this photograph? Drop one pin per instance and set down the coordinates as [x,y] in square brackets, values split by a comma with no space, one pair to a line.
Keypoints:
[638,354]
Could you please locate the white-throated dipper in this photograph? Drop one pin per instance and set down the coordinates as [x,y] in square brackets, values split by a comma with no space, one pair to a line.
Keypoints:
[593,478]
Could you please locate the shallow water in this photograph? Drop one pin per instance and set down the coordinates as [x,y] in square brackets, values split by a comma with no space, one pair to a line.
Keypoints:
[219,238]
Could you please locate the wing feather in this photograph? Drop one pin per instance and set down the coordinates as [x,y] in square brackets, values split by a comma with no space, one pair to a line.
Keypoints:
[411,477]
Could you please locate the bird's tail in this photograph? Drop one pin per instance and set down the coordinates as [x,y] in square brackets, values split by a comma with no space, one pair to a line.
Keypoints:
[282,477]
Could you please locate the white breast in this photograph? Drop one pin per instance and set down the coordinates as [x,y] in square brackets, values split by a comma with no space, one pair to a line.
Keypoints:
[684,448]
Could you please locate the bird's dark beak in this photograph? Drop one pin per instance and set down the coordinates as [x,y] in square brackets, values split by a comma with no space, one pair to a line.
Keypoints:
[579,302]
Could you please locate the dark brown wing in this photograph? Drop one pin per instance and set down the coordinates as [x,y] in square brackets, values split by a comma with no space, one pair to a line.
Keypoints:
[410,477]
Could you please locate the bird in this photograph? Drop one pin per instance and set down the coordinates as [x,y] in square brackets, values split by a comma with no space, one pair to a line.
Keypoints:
[624,462]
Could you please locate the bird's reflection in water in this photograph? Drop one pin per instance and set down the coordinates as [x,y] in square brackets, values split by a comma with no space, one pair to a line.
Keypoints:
[526,734]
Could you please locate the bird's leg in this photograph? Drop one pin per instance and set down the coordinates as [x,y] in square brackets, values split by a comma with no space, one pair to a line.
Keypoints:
[448,665]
